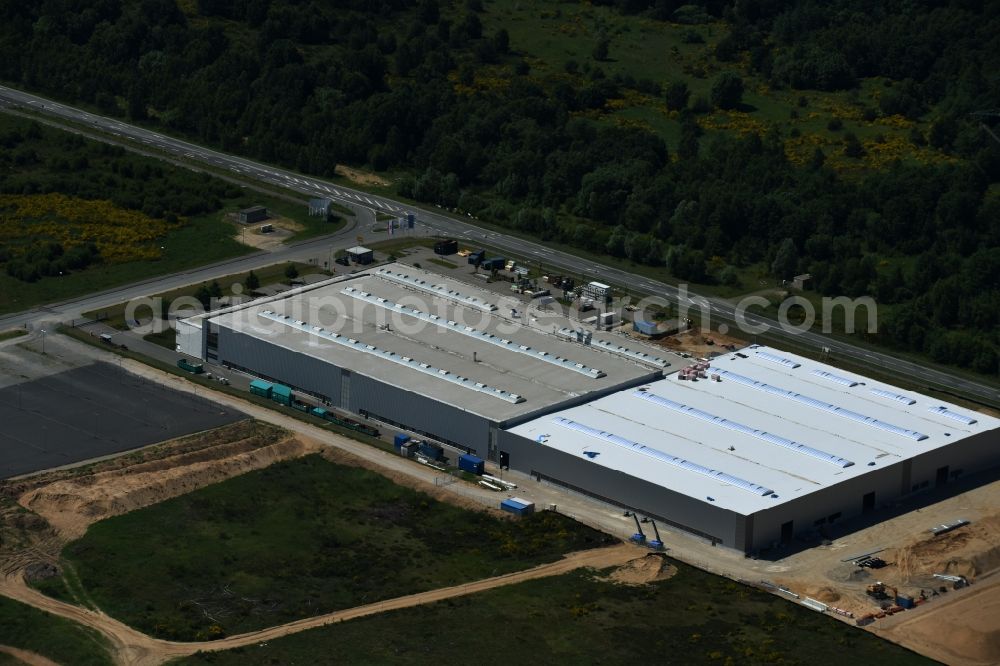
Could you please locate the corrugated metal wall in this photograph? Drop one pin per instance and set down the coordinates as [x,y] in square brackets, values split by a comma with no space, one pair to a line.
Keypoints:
[189,339]
[698,517]
[297,370]
[365,395]
[420,413]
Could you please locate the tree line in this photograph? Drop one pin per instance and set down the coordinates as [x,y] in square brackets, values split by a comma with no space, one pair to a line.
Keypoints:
[395,84]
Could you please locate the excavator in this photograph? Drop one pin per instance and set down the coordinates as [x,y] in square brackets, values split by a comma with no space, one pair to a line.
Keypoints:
[880,590]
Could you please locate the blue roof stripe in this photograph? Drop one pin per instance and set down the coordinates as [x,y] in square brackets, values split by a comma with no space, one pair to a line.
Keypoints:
[663,456]
[819,404]
[746,430]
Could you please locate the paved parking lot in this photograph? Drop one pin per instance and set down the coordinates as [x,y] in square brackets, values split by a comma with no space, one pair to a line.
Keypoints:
[92,411]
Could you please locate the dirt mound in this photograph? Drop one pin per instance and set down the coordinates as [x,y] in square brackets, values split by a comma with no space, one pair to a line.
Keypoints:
[700,344]
[968,551]
[826,594]
[360,177]
[71,505]
[643,570]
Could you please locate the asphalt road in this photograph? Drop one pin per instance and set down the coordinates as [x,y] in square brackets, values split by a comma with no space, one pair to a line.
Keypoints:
[720,311]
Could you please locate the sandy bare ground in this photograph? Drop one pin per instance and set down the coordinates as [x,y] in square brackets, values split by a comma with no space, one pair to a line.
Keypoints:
[134,647]
[360,177]
[695,342]
[284,228]
[71,505]
[643,570]
[962,630]
[26,657]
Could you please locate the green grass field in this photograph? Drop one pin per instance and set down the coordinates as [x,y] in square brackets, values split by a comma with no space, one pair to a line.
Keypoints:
[295,540]
[60,640]
[692,618]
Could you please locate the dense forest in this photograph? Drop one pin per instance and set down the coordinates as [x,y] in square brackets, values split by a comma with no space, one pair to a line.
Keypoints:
[422,88]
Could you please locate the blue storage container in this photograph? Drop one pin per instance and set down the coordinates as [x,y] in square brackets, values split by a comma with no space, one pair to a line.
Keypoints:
[644,327]
[319,411]
[517,506]
[470,463]
[400,440]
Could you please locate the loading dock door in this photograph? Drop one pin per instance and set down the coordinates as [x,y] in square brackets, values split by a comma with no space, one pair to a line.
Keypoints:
[787,531]
[942,475]
[868,502]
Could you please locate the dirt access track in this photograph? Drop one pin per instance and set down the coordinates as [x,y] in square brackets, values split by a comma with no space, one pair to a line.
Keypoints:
[134,647]
[26,657]
[64,502]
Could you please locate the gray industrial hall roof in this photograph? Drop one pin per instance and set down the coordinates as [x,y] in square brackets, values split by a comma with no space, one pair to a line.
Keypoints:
[444,345]
[776,426]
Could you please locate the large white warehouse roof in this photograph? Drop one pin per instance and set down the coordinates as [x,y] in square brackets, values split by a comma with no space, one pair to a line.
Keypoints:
[776,426]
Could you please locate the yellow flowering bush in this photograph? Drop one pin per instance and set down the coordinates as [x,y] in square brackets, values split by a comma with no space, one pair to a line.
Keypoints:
[120,235]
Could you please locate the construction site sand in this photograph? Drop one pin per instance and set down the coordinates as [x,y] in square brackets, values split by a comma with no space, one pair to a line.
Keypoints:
[694,342]
[963,630]
[826,594]
[969,551]
[643,570]
[284,228]
[71,505]
[360,177]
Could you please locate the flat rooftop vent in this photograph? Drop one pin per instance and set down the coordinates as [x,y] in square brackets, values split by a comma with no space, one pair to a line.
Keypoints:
[899,397]
[571,334]
[836,379]
[663,456]
[953,415]
[392,357]
[746,430]
[471,332]
[435,289]
[781,360]
[819,404]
